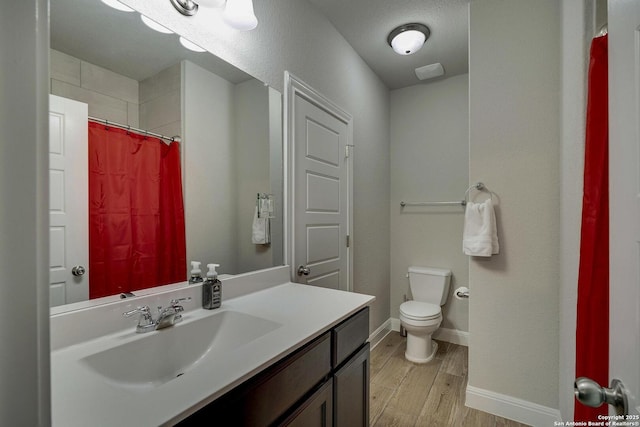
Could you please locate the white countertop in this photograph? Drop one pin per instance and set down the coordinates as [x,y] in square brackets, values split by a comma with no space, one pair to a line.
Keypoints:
[81,397]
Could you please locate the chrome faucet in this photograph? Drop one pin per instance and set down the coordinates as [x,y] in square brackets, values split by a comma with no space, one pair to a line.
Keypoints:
[168,316]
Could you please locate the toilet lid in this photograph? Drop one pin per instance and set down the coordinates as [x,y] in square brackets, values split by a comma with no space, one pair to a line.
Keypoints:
[419,310]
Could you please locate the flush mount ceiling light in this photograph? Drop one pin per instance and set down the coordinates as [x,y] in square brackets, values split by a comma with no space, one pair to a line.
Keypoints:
[408,38]
[185,7]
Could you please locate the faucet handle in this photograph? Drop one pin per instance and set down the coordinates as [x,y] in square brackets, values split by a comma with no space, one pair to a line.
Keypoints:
[145,323]
[143,310]
[176,301]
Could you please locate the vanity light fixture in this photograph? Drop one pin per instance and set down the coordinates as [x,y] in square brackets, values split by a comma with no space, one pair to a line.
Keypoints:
[185,7]
[117,5]
[239,14]
[408,38]
[155,26]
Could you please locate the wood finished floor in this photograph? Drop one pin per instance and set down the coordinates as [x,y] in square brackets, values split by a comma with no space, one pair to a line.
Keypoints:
[405,394]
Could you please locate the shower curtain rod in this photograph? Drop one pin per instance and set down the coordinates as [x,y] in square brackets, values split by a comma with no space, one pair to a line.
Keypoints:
[136,130]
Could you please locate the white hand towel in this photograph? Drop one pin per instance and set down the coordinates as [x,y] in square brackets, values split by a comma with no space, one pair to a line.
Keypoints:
[260,232]
[480,236]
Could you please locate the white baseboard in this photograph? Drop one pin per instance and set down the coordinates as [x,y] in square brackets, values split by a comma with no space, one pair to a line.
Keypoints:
[510,407]
[443,334]
[395,324]
[453,336]
[379,334]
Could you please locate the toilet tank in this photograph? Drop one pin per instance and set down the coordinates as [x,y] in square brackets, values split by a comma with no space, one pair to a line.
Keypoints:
[429,284]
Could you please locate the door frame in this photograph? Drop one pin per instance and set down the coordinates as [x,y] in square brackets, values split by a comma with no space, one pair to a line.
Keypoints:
[294,86]
[624,201]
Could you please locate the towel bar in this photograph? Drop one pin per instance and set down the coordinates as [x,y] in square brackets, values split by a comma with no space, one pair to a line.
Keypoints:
[478,186]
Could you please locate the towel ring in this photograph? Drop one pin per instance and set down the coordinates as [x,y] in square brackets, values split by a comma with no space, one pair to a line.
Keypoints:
[479,186]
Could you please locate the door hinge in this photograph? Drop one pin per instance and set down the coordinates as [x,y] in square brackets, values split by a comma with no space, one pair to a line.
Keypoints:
[346,151]
[348,240]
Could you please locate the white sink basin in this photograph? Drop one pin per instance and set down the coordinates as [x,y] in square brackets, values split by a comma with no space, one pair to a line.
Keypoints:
[157,357]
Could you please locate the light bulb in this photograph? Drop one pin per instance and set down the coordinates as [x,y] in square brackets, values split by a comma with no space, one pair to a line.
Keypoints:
[154,25]
[191,45]
[408,42]
[239,14]
[117,5]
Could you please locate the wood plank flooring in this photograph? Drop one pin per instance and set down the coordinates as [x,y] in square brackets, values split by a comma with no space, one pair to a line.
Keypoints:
[405,394]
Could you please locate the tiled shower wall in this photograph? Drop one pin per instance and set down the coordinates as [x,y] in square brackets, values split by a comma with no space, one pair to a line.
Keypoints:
[152,104]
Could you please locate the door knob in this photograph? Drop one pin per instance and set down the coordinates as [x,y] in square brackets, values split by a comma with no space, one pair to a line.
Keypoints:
[589,393]
[303,270]
[78,271]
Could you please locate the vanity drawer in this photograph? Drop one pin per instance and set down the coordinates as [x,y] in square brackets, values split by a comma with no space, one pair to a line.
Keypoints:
[282,386]
[348,336]
[266,397]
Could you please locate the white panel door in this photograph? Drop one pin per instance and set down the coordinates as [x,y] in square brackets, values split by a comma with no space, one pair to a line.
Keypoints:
[321,190]
[624,202]
[68,200]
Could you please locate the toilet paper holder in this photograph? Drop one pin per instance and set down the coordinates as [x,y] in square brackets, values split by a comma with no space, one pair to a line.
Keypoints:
[462,293]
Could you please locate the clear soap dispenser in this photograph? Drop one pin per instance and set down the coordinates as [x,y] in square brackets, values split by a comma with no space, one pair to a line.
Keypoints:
[212,289]
[196,276]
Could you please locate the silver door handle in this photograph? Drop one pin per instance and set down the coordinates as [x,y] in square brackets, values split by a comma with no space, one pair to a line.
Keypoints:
[589,393]
[78,271]
[303,270]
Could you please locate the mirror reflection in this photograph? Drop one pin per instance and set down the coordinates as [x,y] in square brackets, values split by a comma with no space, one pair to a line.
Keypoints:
[227,127]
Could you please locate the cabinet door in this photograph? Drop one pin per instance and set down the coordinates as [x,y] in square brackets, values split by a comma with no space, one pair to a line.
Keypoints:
[351,391]
[316,411]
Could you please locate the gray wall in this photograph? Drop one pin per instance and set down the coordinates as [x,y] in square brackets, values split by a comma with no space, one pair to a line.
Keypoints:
[209,169]
[514,97]
[24,247]
[227,160]
[252,169]
[292,35]
[430,161]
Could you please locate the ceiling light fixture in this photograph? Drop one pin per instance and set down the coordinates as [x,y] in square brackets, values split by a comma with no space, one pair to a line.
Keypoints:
[239,14]
[408,38]
[185,7]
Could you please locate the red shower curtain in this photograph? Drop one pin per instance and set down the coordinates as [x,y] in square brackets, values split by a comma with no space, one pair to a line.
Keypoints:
[592,333]
[136,212]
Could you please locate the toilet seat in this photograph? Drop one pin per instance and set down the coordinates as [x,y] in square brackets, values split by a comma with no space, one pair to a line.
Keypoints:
[416,310]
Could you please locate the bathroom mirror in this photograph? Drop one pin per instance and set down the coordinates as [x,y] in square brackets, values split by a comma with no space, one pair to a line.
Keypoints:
[230,125]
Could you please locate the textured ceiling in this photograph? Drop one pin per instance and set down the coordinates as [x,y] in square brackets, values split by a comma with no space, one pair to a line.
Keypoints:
[103,36]
[365,24]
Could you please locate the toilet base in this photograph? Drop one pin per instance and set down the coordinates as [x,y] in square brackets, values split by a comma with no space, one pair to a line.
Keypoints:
[420,350]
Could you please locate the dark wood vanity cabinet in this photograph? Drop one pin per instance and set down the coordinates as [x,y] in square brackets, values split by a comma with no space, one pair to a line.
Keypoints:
[351,391]
[324,384]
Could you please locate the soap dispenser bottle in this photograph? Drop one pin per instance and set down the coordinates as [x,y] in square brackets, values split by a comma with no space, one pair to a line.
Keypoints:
[196,276]
[212,289]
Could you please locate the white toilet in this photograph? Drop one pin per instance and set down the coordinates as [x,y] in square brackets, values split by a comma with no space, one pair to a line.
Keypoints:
[422,316]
